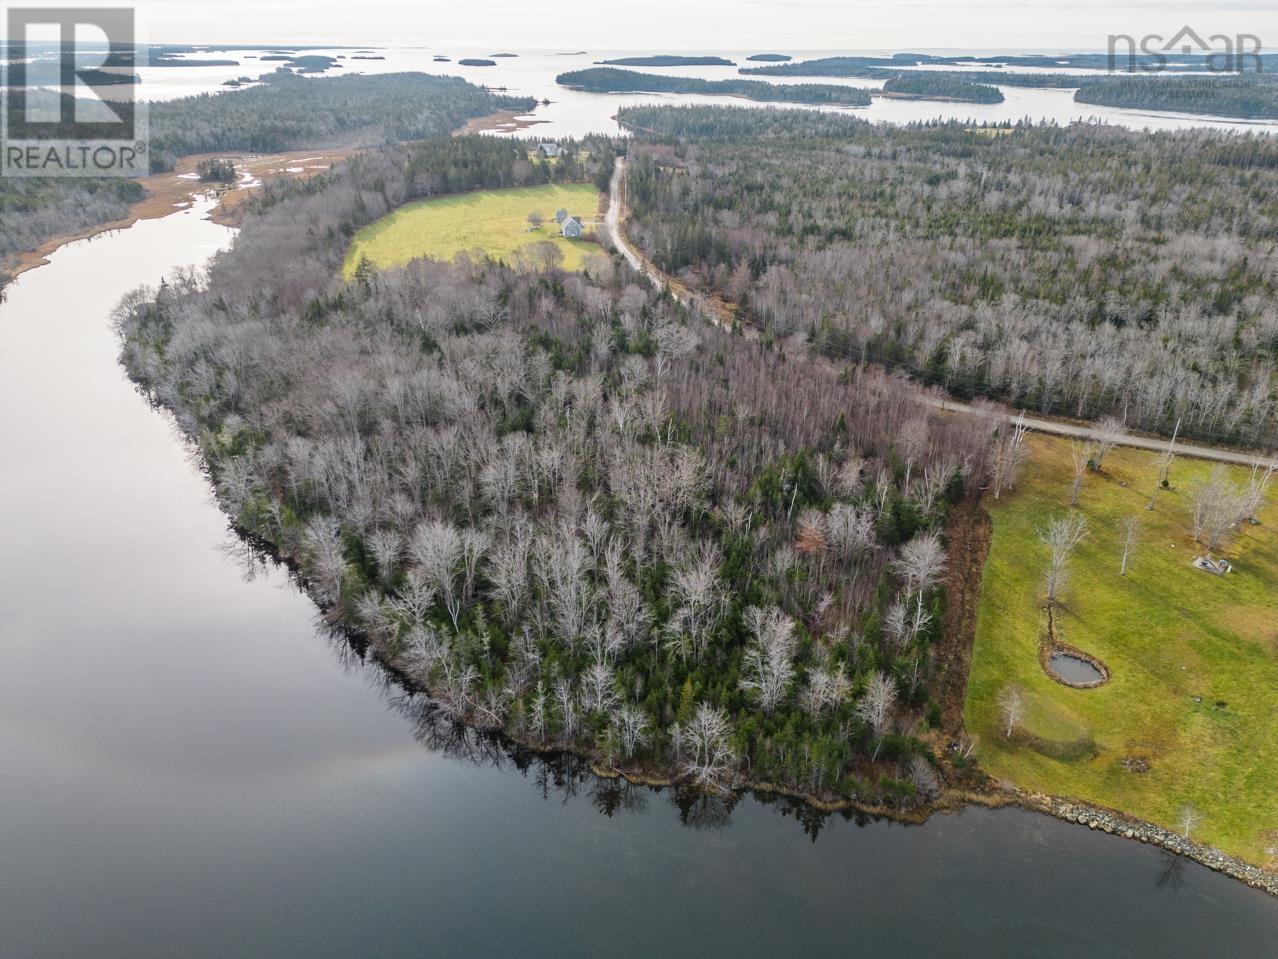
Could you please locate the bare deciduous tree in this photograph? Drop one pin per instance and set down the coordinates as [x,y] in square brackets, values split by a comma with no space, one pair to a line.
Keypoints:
[1218,506]
[849,530]
[1258,483]
[769,661]
[926,784]
[1009,454]
[1082,455]
[1129,529]
[1012,706]
[826,689]
[875,706]
[633,730]
[1061,537]
[1188,820]
[436,547]
[700,596]
[1110,432]
[1167,457]
[913,442]
[921,562]
[387,547]
[706,743]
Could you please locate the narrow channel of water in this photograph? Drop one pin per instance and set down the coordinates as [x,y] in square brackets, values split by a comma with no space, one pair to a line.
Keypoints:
[188,767]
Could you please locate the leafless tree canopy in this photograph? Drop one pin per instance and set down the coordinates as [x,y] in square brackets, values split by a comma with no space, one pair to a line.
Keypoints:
[1061,537]
[1083,270]
[568,509]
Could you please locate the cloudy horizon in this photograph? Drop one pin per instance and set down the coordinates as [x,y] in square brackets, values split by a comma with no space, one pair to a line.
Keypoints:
[853,25]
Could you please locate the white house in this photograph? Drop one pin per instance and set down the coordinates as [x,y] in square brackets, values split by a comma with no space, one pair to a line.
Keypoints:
[572,228]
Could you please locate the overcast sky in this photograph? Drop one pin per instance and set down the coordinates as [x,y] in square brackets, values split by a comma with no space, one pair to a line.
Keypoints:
[697,24]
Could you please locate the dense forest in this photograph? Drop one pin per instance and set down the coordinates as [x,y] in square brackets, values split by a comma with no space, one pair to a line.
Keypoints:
[1218,96]
[565,507]
[1218,62]
[1252,95]
[288,113]
[928,86]
[608,80]
[297,113]
[1084,271]
[853,66]
[32,210]
[668,60]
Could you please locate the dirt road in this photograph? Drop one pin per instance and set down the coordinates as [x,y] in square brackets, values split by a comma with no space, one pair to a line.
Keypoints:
[613,224]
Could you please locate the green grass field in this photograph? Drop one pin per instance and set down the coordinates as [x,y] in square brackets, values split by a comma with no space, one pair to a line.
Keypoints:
[1168,633]
[487,222]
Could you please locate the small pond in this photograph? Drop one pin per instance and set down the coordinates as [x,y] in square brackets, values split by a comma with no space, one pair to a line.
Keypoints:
[1074,670]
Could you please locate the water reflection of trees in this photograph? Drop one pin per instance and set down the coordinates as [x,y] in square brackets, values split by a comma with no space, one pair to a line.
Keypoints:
[566,777]
[1171,870]
[559,775]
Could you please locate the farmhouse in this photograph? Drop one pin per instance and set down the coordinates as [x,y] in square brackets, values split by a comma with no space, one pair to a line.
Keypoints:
[572,228]
[550,151]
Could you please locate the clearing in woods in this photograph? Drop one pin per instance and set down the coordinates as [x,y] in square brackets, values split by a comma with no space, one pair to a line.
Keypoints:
[1189,716]
[486,222]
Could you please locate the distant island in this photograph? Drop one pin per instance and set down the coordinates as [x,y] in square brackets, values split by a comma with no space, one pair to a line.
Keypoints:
[925,86]
[770,57]
[503,55]
[668,60]
[848,66]
[1245,97]
[91,77]
[608,80]
[169,61]
[441,59]
[476,62]
[310,63]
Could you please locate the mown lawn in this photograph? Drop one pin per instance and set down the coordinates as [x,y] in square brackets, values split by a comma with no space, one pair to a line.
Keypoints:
[1168,632]
[487,222]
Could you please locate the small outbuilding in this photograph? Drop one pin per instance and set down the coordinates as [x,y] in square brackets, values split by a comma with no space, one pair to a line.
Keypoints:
[572,228]
[1217,567]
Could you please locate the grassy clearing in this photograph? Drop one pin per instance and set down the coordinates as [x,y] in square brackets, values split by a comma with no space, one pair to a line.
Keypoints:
[1168,632]
[487,222]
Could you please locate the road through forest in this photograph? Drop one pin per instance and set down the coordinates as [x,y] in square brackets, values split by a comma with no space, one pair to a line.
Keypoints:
[613,225]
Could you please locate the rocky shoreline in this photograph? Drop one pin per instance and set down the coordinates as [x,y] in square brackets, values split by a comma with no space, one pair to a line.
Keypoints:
[995,795]
[1128,827]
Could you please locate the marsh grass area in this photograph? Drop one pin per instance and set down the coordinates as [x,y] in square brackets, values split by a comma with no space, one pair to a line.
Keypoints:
[1189,716]
[491,223]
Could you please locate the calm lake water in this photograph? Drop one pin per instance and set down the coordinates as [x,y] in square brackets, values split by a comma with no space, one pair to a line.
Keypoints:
[190,767]
[573,113]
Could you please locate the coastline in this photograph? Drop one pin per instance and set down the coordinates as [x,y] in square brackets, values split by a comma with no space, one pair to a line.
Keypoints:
[503,121]
[982,790]
[988,792]
[177,189]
